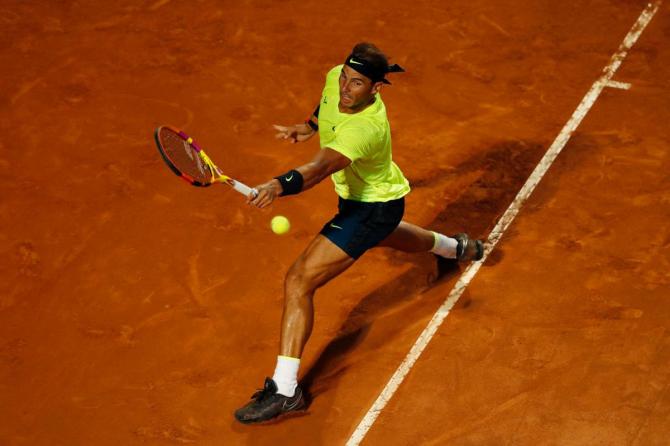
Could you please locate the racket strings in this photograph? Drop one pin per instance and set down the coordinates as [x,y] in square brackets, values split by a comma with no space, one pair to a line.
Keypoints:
[185,157]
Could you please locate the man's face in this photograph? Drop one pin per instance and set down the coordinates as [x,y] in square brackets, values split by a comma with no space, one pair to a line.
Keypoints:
[356,90]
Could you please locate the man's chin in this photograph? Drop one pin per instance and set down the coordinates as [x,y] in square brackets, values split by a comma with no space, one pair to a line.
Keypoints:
[346,103]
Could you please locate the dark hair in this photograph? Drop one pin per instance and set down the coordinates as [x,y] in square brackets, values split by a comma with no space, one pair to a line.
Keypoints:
[372,56]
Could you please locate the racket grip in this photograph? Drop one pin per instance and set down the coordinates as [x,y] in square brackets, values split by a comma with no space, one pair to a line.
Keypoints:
[244,189]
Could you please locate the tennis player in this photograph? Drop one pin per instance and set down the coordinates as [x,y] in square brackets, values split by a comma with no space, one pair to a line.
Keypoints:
[355,139]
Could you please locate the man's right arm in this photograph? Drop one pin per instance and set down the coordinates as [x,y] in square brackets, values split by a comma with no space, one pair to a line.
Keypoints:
[327,161]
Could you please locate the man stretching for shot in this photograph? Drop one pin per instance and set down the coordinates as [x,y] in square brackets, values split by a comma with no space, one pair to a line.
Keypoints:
[355,151]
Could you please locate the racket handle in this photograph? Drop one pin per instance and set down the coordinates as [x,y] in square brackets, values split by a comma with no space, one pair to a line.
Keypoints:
[244,189]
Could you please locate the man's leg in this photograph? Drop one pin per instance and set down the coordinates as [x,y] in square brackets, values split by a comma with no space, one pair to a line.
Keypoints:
[412,238]
[409,238]
[321,261]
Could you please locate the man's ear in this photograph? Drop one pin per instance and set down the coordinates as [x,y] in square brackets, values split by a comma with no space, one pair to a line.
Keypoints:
[376,87]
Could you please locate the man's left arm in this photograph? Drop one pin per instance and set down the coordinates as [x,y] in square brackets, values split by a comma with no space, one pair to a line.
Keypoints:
[325,163]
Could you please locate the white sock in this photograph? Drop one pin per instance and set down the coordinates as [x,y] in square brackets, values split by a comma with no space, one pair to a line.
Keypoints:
[286,375]
[444,246]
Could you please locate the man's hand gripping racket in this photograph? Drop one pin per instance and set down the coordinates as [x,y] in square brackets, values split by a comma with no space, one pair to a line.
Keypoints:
[189,162]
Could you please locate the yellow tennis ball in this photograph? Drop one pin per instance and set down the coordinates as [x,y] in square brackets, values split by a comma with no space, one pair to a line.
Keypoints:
[280,224]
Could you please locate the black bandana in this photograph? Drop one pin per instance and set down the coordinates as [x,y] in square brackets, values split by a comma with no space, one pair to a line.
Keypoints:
[375,74]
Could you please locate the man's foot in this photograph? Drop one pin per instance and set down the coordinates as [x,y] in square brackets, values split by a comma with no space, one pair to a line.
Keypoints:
[267,404]
[468,249]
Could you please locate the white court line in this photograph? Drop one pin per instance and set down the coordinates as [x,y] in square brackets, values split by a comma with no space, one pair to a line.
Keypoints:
[561,140]
[617,84]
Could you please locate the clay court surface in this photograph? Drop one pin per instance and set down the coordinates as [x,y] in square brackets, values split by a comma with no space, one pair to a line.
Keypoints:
[136,309]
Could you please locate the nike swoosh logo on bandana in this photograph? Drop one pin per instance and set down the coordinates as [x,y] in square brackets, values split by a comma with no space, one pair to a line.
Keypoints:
[354,62]
[335,226]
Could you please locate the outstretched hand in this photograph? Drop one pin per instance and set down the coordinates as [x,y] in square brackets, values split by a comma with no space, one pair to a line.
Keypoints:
[294,133]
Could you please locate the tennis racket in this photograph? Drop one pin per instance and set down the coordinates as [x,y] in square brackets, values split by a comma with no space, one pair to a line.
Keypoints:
[189,162]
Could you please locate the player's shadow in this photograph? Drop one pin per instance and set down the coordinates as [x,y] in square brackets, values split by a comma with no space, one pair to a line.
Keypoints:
[503,169]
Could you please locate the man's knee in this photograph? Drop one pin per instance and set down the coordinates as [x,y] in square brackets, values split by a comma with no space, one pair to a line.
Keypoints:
[298,279]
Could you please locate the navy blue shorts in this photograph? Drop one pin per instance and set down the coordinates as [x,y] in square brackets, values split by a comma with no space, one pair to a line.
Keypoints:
[359,226]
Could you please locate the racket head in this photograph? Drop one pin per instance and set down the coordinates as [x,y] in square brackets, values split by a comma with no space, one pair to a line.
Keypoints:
[182,155]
